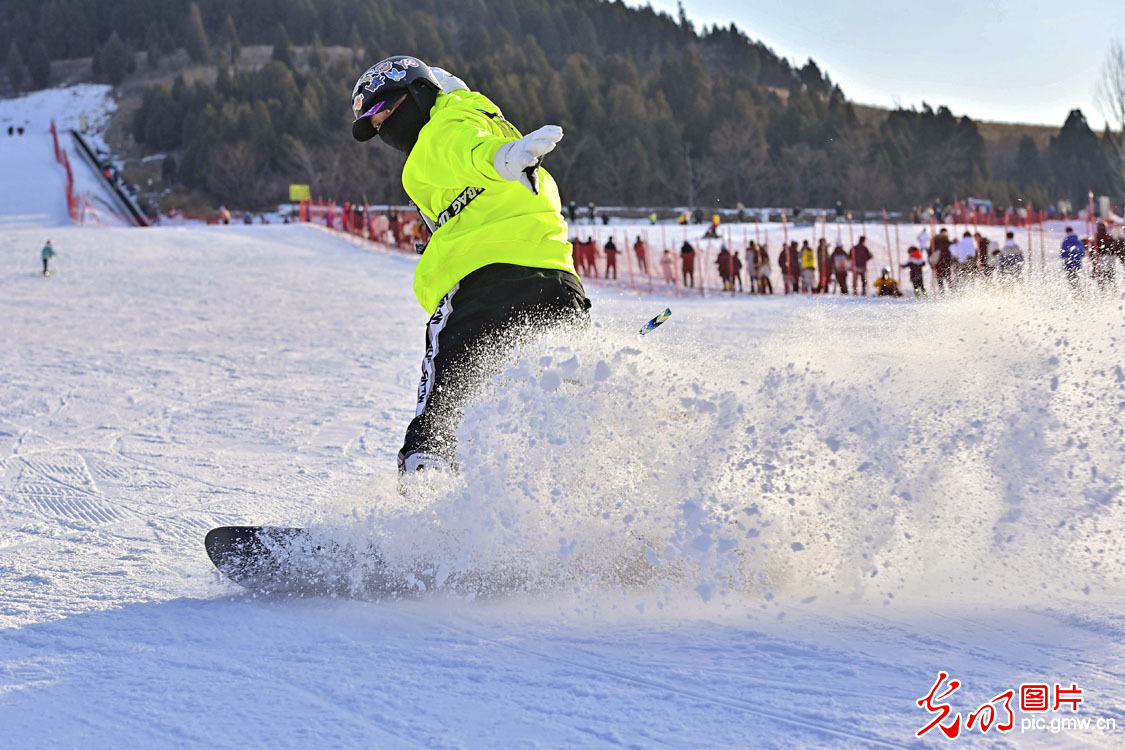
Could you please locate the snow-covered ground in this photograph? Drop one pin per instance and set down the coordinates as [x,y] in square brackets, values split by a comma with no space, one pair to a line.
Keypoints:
[843,497]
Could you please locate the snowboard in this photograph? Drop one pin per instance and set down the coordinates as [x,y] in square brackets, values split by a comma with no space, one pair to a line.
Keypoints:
[291,560]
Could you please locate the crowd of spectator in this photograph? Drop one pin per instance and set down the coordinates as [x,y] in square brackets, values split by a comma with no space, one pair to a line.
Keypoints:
[944,260]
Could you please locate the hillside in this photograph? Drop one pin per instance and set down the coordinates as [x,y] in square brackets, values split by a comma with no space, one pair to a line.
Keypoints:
[658,112]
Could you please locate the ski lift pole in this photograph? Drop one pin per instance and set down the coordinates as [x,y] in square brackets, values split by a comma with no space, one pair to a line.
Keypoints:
[898,256]
[887,234]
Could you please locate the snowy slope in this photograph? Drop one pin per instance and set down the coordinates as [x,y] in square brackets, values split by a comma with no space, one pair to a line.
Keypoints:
[33,192]
[923,487]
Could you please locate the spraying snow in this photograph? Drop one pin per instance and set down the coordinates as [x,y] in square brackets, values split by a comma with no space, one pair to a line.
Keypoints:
[689,538]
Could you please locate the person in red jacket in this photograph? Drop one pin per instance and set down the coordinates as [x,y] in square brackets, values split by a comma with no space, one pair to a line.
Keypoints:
[687,258]
[610,258]
[723,262]
[641,249]
[860,257]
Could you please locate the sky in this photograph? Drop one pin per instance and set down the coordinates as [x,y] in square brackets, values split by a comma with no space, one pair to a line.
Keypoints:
[1029,62]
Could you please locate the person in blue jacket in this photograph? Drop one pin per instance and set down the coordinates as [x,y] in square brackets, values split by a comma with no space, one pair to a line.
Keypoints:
[47,254]
[1073,251]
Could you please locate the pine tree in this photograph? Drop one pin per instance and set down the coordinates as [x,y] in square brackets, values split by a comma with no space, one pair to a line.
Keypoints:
[230,37]
[316,53]
[153,53]
[15,67]
[39,64]
[114,60]
[282,49]
[195,36]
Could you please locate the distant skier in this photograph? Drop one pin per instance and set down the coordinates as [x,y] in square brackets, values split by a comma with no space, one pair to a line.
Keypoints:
[498,256]
[47,254]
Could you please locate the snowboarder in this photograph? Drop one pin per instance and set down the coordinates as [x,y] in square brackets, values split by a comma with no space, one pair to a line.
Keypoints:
[47,254]
[498,255]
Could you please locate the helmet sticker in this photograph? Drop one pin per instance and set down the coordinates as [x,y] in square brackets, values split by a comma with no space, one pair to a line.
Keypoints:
[375,85]
[382,67]
[396,75]
[357,103]
[408,62]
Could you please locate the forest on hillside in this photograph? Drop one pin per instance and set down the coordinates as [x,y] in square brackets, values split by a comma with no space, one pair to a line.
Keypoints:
[656,112]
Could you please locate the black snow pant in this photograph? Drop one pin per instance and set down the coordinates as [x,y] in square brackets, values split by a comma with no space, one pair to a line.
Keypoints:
[44,266]
[465,342]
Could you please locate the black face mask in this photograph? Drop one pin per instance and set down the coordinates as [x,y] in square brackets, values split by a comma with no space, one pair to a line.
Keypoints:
[400,131]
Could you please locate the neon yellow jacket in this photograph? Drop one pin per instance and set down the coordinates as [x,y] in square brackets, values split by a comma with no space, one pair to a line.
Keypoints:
[504,223]
[808,258]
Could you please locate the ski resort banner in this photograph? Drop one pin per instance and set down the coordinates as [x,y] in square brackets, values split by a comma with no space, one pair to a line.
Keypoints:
[299,193]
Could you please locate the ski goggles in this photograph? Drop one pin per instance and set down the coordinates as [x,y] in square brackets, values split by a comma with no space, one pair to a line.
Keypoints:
[380,105]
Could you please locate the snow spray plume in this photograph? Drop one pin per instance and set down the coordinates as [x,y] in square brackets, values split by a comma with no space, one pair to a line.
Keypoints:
[966,448]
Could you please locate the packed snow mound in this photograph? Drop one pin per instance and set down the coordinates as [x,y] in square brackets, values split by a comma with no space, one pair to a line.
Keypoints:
[873,451]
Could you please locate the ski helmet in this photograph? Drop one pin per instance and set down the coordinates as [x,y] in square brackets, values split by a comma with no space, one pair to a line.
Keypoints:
[382,85]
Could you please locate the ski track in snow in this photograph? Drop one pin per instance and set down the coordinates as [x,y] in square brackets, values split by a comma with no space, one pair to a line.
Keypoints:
[166,381]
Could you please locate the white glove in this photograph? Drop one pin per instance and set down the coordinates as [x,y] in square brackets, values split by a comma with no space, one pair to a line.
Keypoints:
[519,160]
[448,81]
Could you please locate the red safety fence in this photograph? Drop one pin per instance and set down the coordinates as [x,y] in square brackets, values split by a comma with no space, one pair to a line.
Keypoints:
[76,205]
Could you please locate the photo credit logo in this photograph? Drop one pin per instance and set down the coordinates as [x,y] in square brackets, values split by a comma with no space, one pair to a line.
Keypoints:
[1034,698]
